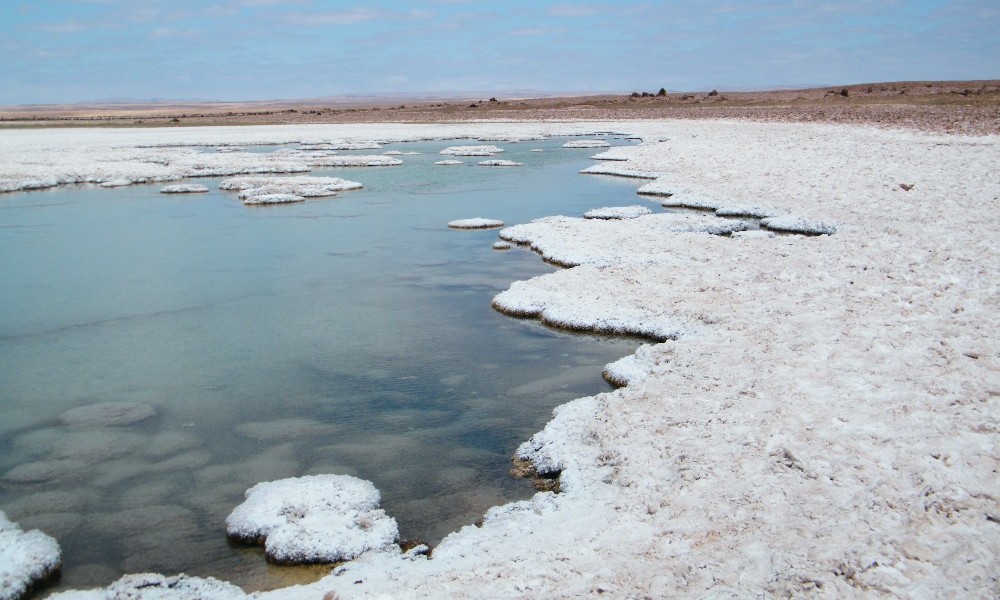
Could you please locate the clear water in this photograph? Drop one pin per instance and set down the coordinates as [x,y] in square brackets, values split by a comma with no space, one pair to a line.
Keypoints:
[347,335]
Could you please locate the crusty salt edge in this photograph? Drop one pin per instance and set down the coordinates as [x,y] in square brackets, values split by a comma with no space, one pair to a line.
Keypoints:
[499,163]
[27,558]
[618,171]
[617,212]
[475,223]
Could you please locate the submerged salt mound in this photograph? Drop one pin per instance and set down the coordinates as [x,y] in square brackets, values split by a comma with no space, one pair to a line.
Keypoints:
[498,163]
[587,144]
[26,559]
[189,188]
[471,150]
[153,586]
[475,223]
[304,186]
[369,160]
[313,519]
[449,162]
[617,212]
[618,171]
[798,224]
[270,199]
[107,414]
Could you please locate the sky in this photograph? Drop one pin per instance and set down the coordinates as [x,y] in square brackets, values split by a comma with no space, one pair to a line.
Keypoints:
[90,50]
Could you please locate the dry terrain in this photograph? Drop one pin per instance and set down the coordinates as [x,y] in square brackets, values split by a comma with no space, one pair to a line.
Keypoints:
[955,107]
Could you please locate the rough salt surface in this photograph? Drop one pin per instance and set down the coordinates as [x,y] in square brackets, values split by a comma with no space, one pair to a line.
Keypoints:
[372,160]
[498,163]
[183,189]
[26,558]
[618,171]
[277,190]
[152,586]
[617,212]
[586,144]
[798,224]
[269,199]
[471,150]
[475,223]
[313,519]
[449,162]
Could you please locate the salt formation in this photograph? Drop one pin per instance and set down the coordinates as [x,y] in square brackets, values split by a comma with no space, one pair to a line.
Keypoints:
[618,171]
[283,190]
[449,162]
[586,144]
[392,153]
[374,160]
[512,138]
[341,146]
[798,224]
[150,586]
[609,155]
[471,150]
[498,163]
[107,414]
[183,189]
[749,210]
[617,212]
[501,246]
[313,519]
[475,223]
[26,558]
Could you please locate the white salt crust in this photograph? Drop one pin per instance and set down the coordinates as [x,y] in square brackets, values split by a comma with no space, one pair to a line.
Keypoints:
[609,155]
[152,586]
[347,160]
[183,189]
[617,212]
[618,171]
[475,223]
[499,163]
[501,246]
[823,428]
[449,162]
[283,190]
[26,558]
[586,144]
[471,150]
[314,519]
[798,224]
[268,199]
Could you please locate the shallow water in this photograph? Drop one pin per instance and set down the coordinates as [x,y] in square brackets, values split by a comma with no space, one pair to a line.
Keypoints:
[346,335]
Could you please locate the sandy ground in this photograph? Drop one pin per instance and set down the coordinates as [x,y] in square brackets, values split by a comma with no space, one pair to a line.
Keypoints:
[959,107]
[825,422]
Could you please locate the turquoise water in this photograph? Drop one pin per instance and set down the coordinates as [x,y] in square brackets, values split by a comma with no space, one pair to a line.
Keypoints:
[346,335]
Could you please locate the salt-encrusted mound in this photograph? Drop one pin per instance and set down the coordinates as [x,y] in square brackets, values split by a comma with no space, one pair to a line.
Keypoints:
[267,199]
[26,558]
[392,153]
[449,162]
[153,586]
[619,171]
[471,150]
[609,155]
[412,153]
[498,163]
[501,246]
[313,519]
[475,223]
[749,210]
[659,187]
[632,368]
[586,144]
[798,224]
[512,138]
[183,189]
[617,212]
[304,187]
[686,200]
[370,160]
[107,414]
[341,146]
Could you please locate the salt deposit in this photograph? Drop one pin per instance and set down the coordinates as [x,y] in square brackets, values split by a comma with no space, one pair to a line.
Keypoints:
[610,155]
[498,163]
[537,150]
[107,414]
[586,144]
[314,519]
[363,145]
[26,558]
[798,224]
[618,171]
[374,160]
[471,150]
[304,186]
[449,162]
[514,139]
[617,212]
[267,199]
[475,223]
[501,246]
[150,586]
[183,189]
[392,153]
[748,210]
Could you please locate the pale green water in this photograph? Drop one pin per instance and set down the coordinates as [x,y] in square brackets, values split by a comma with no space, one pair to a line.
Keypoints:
[362,317]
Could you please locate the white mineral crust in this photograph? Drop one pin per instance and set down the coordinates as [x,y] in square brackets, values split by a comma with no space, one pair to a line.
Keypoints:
[26,558]
[617,212]
[586,144]
[499,163]
[475,223]
[471,150]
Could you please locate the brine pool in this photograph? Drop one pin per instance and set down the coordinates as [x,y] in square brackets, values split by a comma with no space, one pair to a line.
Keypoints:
[350,335]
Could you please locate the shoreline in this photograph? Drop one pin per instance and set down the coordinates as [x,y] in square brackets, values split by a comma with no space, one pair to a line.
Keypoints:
[837,388]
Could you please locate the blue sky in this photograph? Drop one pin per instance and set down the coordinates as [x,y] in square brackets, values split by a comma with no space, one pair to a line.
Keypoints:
[78,50]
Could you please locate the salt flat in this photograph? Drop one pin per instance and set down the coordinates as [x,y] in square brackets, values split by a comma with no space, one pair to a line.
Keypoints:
[824,423]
